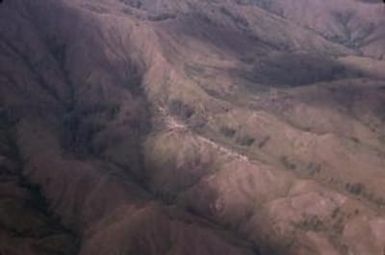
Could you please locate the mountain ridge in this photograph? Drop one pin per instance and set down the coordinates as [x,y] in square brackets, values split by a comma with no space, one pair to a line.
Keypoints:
[195,127]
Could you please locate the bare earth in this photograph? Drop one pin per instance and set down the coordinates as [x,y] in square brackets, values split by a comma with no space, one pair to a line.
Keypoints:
[192,127]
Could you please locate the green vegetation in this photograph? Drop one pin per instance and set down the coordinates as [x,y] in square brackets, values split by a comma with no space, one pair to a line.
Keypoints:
[245,140]
[182,110]
[355,188]
[228,132]
[313,223]
[287,163]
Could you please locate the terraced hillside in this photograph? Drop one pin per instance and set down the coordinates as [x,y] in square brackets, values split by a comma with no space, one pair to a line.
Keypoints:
[192,127]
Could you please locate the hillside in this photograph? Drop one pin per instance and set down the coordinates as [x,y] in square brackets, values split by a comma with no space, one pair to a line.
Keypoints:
[192,127]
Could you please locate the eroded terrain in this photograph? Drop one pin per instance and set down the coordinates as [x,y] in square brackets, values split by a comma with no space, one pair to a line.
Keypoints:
[192,127]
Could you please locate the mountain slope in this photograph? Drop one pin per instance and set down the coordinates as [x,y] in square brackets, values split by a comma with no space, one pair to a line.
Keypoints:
[192,127]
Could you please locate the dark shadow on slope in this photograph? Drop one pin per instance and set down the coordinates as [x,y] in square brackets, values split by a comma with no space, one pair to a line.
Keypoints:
[25,215]
[292,70]
[236,39]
